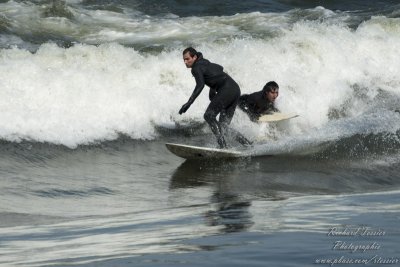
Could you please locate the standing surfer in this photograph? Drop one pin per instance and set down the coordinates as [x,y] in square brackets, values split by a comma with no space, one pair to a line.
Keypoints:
[224,95]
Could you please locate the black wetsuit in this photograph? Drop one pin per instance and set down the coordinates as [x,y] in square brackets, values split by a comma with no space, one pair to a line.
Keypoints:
[224,95]
[256,104]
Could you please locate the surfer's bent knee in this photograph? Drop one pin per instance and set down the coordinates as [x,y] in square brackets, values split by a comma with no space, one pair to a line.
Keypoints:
[209,116]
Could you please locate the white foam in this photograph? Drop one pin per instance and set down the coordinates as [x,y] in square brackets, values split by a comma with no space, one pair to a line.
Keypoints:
[315,139]
[82,94]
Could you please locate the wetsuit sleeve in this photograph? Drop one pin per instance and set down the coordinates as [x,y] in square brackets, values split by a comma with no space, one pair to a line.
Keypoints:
[269,109]
[242,103]
[200,83]
[245,105]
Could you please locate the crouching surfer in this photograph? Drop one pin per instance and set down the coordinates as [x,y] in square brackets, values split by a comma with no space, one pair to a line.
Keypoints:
[261,102]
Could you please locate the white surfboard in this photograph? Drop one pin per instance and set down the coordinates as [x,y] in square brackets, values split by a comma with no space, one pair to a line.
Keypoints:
[197,152]
[276,116]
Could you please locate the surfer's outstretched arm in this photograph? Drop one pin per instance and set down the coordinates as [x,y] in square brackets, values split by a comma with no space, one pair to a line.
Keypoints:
[199,77]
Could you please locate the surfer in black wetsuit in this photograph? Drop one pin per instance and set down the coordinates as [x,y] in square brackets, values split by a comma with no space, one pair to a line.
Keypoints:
[261,102]
[224,95]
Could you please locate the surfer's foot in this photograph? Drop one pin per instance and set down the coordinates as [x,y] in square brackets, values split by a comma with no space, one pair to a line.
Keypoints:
[221,142]
[222,146]
[244,141]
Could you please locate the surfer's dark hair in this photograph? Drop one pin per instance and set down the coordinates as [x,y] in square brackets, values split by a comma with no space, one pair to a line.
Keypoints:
[270,86]
[191,51]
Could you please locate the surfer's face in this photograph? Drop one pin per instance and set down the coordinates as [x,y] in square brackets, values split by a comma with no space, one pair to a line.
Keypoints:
[189,60]
[272,95]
